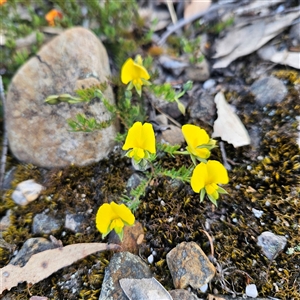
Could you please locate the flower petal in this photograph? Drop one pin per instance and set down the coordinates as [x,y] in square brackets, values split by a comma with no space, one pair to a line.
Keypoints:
[148,138]
[133,71]
[117,225]
[194,137]
[104,217]
[133,137]
[123,212]
[217,172]
[199,177]
[126,71]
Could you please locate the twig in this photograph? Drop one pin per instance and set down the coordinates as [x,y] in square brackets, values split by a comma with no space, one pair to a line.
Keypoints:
[172,12]
[182,22]
[5,139]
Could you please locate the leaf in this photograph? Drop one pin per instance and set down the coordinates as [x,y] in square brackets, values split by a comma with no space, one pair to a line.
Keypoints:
[246,39]
[228,125]
[146,289]
[43,264]
[283,57]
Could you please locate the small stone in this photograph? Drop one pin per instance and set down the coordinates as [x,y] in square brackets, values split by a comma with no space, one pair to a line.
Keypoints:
[208,84]
[134,180]
[5,221]
[122,265]
[268,90]
[172,136]
[189,265]
[198,71]
[29,248]
[150,259]
[257,213]
[26,192]
[181,294]
[203,107]
[44,224]
[74,222]
[38,133]
[271,244]
[251,291]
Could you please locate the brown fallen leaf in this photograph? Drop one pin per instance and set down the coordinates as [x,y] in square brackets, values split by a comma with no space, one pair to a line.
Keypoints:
[228,125]
[43,264]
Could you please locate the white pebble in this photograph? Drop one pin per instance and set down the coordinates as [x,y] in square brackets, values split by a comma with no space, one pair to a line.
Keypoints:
[150,259]
[179,224]
[170,219]
[257,213]
[162,203]
[204,288]
[251,290]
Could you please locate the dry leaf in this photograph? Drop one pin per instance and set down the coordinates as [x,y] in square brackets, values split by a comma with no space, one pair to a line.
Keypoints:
[43,264]
[282,57]
[228,125]
[241,41]
[196,6]
[146,289]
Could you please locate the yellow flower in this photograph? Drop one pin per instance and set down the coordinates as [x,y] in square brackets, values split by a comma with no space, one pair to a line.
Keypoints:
[2,2]
[206,177]
[141,140]
[198,142]
[113,216]
[134,73]
[51,15]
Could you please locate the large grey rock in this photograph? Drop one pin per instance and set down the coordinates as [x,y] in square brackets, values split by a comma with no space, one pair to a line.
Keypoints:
[38,133]
[122,265]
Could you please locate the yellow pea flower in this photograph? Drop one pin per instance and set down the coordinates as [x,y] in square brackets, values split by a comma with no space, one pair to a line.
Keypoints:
[113,217]
[134,73]
[141,140]
[198,142]
[206,177]
[52,15]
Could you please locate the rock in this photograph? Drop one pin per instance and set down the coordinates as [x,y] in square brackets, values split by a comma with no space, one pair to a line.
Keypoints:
[268,90]
[38,133]
[31,247]
[132,239]
[251,291]
[144,289]
[134,180]
[181,294]
[271,244]
[74,222]
[172,136]
[198,71]
[122,265]
[209,84]
[189,265]
[26,192]
[203,107]
[5,221]
[44,224]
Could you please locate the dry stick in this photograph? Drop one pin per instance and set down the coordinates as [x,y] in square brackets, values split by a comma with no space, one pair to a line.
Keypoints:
[183,22]
[5,139]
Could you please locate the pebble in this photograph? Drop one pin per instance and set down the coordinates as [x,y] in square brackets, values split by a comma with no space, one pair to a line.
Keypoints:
[122,265]
[208,84]
[271,244]
[5,221]
[251,291]
[189,265]
[134,180]
[45,224]
[257,213]
[38,133]
[198,71]
[26,192]
[74,222]
[172,136]
[268,90]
